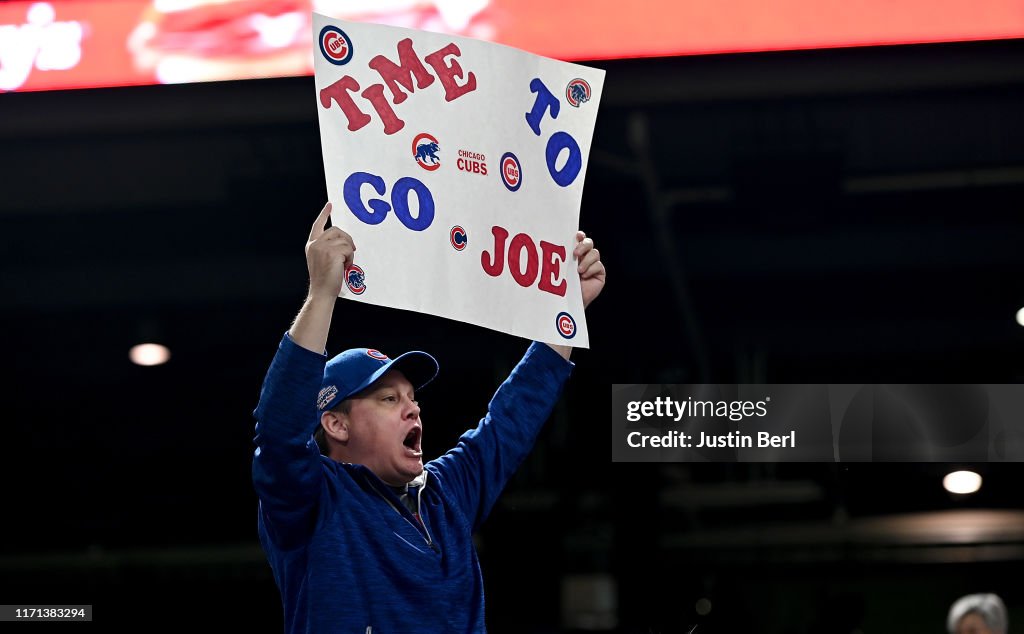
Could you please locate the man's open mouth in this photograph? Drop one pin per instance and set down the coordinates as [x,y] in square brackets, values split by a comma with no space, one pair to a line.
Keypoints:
[413,438]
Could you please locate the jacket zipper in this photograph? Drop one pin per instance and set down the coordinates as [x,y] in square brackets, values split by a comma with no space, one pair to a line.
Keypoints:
[425,533]
[419,512]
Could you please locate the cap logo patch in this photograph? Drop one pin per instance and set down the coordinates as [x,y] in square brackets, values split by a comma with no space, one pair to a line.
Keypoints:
[326,395]
[377,354]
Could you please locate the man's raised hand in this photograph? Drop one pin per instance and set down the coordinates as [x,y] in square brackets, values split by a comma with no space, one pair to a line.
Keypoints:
[329,251]
[590,267]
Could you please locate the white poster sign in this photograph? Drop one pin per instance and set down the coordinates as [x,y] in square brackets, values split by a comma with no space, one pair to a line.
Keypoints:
[457,166]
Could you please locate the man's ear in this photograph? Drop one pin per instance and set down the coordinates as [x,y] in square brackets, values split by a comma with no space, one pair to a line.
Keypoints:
[336,425]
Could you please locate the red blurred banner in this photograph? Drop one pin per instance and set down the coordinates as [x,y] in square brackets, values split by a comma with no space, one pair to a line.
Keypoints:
[92,43]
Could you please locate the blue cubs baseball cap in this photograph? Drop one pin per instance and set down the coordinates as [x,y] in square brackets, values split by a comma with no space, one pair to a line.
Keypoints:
[354,370]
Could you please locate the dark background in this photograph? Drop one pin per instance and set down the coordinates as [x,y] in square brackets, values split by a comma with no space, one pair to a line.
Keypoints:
[823,216]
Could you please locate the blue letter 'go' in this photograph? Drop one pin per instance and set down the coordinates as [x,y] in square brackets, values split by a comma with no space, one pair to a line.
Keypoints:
[399,201]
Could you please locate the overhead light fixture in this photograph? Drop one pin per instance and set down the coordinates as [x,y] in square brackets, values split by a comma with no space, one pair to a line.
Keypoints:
[703,606]
[1020,316]
[149,354]
[962,482]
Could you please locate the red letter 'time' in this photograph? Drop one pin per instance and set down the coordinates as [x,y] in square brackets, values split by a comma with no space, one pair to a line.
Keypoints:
[395,75]
[448,74]
[339,92]
[375,95]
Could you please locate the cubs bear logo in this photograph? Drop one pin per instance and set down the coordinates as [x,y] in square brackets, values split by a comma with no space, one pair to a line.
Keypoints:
[424,149]
[511,171]
[355,279]
[577,92]
[335,45]
[566,325]
[376,354]
[459,238]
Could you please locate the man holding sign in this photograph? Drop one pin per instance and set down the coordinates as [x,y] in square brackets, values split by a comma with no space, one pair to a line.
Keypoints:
[366,538]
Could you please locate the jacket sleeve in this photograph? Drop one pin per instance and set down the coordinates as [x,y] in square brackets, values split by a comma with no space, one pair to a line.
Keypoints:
[476,470]
[286,469]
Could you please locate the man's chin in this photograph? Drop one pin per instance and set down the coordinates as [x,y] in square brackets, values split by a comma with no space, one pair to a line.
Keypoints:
[412,473]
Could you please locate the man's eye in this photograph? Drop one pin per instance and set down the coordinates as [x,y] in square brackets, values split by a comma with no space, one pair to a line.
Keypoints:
[390,398]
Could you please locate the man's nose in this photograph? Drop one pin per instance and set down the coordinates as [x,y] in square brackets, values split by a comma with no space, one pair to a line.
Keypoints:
[413,411]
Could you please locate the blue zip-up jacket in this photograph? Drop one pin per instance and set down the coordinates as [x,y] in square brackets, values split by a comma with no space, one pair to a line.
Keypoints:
[347,555]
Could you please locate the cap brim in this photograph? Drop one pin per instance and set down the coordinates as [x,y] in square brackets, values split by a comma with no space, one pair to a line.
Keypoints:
[418,367]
